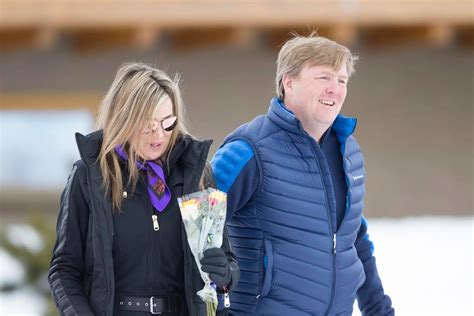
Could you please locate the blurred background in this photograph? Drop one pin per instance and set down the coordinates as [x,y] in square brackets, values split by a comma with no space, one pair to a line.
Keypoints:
[412,94]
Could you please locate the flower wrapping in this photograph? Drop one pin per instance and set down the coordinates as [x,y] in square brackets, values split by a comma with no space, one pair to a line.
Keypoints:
[203,216]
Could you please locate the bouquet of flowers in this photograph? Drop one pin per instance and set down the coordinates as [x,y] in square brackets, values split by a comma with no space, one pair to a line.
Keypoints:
[203,215]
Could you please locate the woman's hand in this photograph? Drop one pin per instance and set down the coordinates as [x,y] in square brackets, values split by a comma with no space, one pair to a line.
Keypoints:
[216,264]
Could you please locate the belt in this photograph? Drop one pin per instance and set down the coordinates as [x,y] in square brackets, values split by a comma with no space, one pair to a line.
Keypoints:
[154,304]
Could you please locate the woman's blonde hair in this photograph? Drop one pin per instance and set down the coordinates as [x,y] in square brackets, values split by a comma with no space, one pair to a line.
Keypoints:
[310,50]
[136,92]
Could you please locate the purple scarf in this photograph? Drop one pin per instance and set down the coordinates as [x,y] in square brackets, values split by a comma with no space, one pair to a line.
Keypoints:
[158,191]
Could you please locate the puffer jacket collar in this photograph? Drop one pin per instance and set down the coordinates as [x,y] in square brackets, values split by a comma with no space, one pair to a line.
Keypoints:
[89,145]
[343,126]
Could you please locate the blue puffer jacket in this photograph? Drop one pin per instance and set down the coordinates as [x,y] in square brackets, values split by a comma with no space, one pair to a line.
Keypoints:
[293,258]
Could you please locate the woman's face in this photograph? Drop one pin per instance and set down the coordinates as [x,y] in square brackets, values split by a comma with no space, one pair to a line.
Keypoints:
[153,139]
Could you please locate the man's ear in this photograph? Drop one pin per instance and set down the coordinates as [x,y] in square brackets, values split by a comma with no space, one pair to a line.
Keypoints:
[287,81]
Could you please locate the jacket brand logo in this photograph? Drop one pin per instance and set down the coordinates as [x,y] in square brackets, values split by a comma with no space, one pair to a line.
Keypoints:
[357,177]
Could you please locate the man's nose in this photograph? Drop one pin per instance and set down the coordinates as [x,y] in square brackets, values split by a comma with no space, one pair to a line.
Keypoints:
[332,87]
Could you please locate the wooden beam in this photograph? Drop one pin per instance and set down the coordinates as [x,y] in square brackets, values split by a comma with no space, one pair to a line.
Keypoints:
[436,35]
[465,36]
[186,39]
[50,100]
[275,38]
[11,39]
[36,23]
[47,38]
[344,34]
[146,37]
[439,35]
[244,37]
[86,40]
[27,38]
[230,13]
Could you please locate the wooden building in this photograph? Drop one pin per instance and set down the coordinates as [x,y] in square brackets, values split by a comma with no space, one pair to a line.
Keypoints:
[412,91]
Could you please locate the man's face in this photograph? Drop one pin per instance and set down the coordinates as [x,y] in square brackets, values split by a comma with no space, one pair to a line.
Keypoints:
[317,94]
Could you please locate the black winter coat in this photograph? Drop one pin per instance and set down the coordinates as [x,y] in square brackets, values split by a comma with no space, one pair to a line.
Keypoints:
[81,274]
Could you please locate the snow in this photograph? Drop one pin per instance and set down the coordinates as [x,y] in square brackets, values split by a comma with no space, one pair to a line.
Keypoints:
[25,236]
[426,265]
[26,302]
[52,130]
[11,270]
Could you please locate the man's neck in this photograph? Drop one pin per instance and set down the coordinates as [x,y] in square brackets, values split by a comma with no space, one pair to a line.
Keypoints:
[315,130]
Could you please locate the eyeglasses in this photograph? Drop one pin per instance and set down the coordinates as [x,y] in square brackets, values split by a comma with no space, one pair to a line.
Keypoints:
[167,124]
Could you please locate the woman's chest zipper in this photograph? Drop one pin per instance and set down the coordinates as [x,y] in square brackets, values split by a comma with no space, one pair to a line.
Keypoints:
[156,226]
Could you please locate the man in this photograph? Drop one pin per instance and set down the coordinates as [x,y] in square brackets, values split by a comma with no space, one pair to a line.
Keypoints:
[295,183]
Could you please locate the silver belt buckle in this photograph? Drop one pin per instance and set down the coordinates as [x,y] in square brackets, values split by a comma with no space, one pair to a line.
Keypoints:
[152,304]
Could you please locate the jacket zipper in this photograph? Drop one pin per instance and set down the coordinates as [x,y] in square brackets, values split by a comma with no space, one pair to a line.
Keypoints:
[156,225]
[333,274]
[226,297]
[151,267]
[334,238]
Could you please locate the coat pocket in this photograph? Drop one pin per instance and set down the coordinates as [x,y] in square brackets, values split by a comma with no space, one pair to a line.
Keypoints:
[267,268]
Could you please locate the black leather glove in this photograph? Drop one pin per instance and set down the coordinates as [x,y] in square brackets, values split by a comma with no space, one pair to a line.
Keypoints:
[216,264]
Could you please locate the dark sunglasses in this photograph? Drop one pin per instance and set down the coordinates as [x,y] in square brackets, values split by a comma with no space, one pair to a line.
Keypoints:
[167,124]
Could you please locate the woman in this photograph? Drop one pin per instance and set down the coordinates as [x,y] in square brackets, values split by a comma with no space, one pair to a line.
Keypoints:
[121,248]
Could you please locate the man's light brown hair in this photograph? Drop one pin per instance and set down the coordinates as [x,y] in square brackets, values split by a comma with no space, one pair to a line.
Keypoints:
[312,50]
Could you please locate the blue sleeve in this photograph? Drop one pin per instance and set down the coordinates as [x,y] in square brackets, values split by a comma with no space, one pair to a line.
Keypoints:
[370,296]
[236,172]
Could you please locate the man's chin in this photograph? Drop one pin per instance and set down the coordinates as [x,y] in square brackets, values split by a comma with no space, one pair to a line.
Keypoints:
[326,120]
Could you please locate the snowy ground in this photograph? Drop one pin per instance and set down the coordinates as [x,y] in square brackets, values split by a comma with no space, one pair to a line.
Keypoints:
[426,265]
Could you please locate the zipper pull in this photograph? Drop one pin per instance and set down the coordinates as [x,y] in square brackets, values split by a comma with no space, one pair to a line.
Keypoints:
[226,297]
[156,226]
[334,243]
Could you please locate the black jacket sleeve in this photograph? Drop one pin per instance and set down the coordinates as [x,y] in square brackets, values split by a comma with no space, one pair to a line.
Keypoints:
[66,272]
